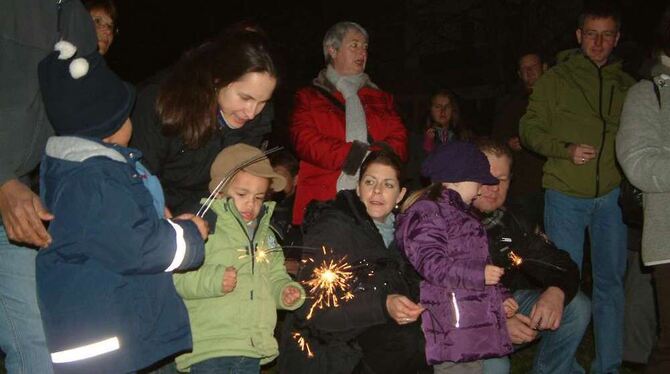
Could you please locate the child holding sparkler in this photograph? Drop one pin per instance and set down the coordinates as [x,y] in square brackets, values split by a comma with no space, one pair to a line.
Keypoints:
[104,284]
[232,298]
[448,247]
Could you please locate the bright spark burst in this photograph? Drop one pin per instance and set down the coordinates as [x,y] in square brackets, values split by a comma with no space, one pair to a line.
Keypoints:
[516,259]
[303,344]
[329,280]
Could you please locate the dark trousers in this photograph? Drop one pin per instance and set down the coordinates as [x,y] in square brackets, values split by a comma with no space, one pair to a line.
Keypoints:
[659,362]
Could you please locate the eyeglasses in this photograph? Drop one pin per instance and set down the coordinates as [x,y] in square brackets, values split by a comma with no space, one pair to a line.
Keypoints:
[593,34]
[100,24]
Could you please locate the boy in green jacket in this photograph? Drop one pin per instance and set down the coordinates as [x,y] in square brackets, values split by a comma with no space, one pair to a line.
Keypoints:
[232,299]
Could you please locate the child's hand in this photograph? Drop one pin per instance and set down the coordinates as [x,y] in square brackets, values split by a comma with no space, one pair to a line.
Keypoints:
[229,281]
[492,274]
[201,224]
[290,295]
[510,306]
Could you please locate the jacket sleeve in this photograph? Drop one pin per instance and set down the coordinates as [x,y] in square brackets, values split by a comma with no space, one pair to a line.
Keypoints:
[28,31]
[640,146]
[205,282]
[397,133]
[544,264]
[279,280]
[100,219]
[424,240]
[366,309]
[535,126]
[309,140]
[147,135]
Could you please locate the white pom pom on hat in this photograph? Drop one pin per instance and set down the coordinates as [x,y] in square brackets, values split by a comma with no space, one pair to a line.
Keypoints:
[66,49]
[78,67]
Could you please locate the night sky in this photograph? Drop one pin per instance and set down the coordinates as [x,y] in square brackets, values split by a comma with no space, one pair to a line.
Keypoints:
[416,46]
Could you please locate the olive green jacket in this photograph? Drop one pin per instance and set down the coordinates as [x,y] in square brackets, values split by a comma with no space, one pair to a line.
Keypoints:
[577,102]
[242,322]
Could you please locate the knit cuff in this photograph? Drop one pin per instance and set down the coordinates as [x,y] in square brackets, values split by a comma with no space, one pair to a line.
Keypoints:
[355,157]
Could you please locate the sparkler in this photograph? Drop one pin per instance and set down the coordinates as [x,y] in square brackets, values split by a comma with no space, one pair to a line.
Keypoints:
[330,280]
[228,176]
[517,261]
[303,344]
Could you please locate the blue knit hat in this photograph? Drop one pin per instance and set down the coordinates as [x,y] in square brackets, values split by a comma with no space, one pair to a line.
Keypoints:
[458,162]
[82,96]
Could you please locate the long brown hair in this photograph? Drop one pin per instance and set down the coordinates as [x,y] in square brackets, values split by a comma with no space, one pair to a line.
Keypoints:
[187,101]
[432,192]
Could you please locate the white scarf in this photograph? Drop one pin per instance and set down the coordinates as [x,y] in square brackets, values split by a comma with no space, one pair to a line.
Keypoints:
[356,125]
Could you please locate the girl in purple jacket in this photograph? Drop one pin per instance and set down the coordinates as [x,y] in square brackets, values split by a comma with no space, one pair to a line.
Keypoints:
[464,320]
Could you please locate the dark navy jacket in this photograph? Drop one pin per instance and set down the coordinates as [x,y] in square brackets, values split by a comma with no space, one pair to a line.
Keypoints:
[104,285]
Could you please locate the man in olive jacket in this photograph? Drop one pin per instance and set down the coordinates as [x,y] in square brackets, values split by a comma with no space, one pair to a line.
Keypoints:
[572,119]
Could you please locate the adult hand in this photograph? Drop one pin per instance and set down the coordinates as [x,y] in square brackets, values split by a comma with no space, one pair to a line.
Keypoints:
[229,281]
[290,295]
[519,330]
[581,153]
[492,274]
[514,143]
[402,309]
[201,224]
[548,310]
[23,213]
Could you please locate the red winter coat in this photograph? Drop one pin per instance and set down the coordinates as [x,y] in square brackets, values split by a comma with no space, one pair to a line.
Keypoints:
[318,134]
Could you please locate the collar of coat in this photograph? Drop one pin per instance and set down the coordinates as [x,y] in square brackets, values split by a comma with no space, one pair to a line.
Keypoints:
[80,149]
[323,82]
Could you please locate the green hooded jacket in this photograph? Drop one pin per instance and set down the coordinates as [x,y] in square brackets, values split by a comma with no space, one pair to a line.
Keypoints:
[241,322]
[576,102]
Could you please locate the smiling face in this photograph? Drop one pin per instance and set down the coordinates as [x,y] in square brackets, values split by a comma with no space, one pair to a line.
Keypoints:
[248,193]
[597,38]
[493,197]
[379,190]
[104,29]
[241,100]
[351,57]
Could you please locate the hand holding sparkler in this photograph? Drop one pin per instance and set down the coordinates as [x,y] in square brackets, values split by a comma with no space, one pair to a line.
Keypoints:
[492,274]
[402,309]
[201,224]
[290,295]
[229,281]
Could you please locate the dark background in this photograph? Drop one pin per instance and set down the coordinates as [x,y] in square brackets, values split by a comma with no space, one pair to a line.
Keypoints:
[470,46]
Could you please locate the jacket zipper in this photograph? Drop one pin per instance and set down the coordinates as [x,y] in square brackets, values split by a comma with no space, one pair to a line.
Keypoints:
[602,136]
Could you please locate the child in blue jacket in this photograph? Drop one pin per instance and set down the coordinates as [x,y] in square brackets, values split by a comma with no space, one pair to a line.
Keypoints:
[104,284]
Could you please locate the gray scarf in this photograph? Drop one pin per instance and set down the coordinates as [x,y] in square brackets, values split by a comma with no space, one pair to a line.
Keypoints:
[356,126]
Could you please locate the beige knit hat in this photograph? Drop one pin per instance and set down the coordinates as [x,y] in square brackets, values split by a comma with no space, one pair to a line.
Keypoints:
[230,157]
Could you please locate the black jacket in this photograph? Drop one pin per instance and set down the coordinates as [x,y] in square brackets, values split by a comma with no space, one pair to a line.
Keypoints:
[183,172]
[543,265]
[359,335]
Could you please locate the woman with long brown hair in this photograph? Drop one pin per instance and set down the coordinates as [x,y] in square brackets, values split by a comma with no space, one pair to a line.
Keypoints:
[212,98]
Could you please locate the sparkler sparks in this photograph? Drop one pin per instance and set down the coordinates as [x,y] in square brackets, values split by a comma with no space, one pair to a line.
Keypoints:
[330,283]
[303,344]
[514,258]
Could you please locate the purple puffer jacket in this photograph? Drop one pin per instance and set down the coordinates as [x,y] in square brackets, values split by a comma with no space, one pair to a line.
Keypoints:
[464,320]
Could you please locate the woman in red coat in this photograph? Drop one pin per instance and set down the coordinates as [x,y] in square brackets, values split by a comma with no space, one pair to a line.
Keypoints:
[339,118]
